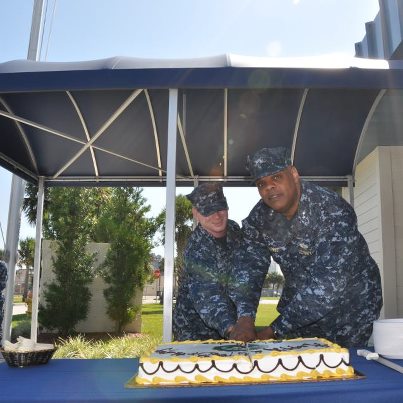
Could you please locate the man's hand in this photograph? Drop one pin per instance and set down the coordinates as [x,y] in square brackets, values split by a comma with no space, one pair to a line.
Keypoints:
[266,334]
[243,330]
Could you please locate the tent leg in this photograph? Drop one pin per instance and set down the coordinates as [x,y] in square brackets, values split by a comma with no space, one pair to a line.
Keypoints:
[13,232]
[350,182]
[170,215]
[37,260]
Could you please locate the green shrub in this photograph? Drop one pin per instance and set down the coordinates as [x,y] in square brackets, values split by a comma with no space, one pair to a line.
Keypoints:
[117,347]
[21,328]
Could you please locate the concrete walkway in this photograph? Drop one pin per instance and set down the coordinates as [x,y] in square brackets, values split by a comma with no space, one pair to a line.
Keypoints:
[155,300]
[269,301]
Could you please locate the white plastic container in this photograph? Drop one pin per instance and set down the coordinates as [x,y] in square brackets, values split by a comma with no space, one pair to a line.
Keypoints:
[388,338]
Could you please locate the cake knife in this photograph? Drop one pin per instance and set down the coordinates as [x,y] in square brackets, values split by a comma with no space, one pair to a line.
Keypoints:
[375,356]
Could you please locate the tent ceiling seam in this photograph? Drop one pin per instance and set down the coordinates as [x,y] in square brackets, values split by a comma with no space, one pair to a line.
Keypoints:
[365,128]
[184,145]
[85,128]
[127,158]
[41,127]
[19,166]
[23,135]
[156,138]
[298,123]
[101,131]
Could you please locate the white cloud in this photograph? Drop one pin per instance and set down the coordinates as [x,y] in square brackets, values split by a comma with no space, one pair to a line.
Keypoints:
[296,2]
[273,49]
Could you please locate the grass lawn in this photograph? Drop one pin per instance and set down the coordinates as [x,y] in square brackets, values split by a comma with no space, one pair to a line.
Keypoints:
[151,317]
[19,318]
[129,345]
[266,313]
[21,326]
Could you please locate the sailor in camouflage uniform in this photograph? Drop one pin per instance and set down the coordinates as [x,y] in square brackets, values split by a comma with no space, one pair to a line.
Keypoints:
[203,307]
[332,285]
[3,284]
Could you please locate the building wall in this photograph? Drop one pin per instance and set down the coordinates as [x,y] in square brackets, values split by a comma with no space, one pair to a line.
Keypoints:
[19,282]
[154,289]
[378,201]
[396,154]
[97,319]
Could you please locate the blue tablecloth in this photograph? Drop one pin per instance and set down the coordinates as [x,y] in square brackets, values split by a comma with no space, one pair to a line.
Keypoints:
[103,381]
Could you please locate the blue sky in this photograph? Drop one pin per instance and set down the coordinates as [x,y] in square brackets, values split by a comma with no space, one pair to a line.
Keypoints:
[94,29]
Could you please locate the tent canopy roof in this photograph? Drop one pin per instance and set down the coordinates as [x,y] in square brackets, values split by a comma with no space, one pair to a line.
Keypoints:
[105,121]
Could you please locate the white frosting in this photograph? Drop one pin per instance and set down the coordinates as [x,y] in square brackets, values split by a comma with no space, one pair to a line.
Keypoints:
[231,361]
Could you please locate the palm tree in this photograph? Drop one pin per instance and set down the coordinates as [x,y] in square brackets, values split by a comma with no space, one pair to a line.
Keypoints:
[26,255]
[183,229]
[275,280]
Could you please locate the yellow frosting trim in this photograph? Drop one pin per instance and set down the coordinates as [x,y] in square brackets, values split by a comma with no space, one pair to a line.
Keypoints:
[301,375]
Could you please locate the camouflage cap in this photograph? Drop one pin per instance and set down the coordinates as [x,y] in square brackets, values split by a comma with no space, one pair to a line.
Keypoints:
[268,161]
[208,198]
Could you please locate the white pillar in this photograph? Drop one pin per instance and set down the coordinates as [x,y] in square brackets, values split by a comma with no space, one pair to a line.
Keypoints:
[170,215]
[37,259]
[13,231]
[350,181]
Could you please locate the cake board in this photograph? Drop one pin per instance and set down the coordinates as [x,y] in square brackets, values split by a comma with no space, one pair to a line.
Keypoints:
[131,383]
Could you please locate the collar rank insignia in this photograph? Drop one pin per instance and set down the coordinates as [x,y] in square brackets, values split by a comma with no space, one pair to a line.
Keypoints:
[304,250]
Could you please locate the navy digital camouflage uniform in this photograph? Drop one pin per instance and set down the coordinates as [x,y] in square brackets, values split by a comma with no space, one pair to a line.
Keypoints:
[332,285]
[203,308]
[3,284]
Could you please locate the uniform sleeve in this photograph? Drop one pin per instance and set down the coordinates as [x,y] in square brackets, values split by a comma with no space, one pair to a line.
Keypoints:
[250,268]
[3,284]
[207,292]
[327,276]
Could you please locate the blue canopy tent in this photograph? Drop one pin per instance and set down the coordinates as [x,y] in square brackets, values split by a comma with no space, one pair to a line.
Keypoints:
[138,122]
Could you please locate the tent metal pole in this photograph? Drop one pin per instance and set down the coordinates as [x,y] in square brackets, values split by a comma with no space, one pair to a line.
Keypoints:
[37,259]
[170,215]
[13,230]
[34,48]
[18,184]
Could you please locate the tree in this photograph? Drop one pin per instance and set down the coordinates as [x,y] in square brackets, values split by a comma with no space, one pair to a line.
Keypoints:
[30,203]
[71,216]
[26,254]
[280,282]
[127,265]
[183,229]
[275,280]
